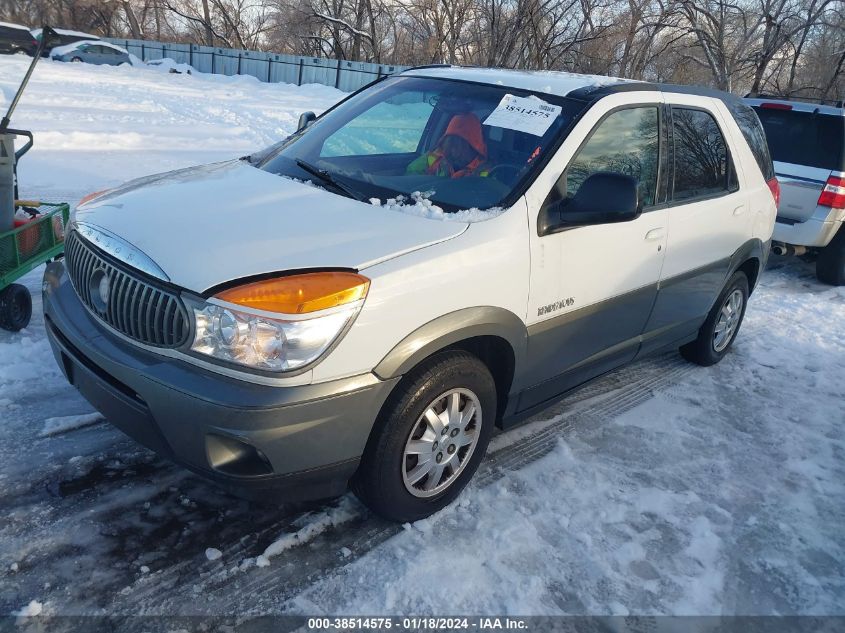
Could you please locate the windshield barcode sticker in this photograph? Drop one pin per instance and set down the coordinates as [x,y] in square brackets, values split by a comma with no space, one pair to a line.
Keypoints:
[523,114]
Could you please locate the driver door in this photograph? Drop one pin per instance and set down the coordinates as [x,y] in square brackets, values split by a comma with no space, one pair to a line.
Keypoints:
[592,288]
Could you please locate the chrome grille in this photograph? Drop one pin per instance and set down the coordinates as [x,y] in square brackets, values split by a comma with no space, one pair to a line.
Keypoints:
[133,306]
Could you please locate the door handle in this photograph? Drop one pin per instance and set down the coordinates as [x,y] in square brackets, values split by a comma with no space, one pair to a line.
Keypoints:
[655,234]
[739,210]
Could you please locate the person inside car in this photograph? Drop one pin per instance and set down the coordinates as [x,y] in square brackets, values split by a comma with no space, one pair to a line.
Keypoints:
[460,152]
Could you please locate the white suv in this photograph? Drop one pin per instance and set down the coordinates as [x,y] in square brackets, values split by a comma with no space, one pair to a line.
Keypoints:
[446,250]
[807,141]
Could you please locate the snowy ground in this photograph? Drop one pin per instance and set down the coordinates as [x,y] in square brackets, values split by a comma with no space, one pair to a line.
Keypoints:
[660,488]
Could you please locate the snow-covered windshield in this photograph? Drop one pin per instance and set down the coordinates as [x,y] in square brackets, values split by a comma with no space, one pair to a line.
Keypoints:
[465,145]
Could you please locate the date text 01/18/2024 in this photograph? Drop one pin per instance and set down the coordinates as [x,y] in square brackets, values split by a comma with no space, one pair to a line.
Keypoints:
[417,623]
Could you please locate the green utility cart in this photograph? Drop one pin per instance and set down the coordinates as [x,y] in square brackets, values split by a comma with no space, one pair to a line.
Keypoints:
[31,232]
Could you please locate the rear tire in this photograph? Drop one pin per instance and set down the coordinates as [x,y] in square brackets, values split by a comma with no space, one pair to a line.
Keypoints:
[429,439]
[717,334]
[15,307]
[76,59]
[830,265]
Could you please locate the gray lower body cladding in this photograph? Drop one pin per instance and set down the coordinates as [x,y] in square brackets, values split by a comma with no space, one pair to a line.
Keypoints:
[301,442]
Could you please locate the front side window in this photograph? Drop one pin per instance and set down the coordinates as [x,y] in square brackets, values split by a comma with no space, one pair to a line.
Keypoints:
[626,142]
[462,145]
[702,166]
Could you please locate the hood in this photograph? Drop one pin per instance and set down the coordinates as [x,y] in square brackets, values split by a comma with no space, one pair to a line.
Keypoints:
[208,225]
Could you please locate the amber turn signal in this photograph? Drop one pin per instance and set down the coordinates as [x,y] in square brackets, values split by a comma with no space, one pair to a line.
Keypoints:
[299,294]
[91,196]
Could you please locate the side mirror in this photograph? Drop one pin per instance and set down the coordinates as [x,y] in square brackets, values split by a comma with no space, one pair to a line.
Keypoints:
[603,198]
[305,119]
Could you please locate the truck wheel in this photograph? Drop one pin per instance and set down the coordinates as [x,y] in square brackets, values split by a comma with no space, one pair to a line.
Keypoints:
[15,307]
[429,438]
[722,325]
[830,266]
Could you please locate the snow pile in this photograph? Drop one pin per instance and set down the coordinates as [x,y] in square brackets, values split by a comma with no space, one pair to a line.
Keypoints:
[31,610]
[212,553]
[312,525]
[166,64]
[98,126]
[65,423]
[420,205]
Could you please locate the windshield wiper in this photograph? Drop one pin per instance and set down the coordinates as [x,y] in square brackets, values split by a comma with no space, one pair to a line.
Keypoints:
[327,178]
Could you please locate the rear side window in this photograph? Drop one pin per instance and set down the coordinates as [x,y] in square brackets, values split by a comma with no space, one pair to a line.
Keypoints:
[805,138]
[751,128]
[702,166]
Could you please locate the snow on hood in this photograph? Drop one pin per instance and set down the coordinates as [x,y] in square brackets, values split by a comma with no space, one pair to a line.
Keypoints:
[211,224]
[419,204]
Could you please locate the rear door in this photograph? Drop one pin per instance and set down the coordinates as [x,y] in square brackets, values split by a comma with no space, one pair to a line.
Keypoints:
[709,217]
[807,147]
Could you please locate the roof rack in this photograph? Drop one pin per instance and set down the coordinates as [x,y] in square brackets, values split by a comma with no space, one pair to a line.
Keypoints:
[836,103]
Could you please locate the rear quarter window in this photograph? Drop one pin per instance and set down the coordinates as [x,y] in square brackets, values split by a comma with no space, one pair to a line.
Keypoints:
[805,138]
[751,128]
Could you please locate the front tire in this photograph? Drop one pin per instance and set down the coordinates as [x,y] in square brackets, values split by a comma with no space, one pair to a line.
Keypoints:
[429,439]
[717,334]
[830,265]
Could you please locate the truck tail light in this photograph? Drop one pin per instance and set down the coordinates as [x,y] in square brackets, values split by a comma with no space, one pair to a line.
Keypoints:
[776,106]
[774,187]
[833,194]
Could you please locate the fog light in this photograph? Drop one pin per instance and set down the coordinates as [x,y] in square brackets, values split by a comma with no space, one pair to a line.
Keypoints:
[235,457]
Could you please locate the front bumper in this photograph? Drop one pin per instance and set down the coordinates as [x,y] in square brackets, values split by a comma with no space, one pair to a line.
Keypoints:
[301,442]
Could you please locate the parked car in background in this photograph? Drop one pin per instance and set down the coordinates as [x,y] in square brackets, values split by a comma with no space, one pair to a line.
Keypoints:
[91,52]
[170,65]
[473,244]
[807,143]
[15,38]
[65,37]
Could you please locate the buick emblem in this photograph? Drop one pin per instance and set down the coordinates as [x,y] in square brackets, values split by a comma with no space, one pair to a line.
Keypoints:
[99,287]
[104,289]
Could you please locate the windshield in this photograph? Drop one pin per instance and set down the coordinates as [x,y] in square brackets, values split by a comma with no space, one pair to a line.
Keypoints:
[461,145]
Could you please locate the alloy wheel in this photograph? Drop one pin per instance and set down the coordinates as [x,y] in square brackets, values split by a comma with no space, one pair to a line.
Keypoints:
[728,321]
[441,443]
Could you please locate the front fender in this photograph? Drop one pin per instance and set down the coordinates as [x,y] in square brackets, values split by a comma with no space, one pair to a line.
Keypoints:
[453,328]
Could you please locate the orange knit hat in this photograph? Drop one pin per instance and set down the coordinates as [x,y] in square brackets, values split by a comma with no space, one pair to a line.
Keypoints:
[468,127]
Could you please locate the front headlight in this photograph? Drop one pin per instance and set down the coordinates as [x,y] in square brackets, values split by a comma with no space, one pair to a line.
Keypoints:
[278,324]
